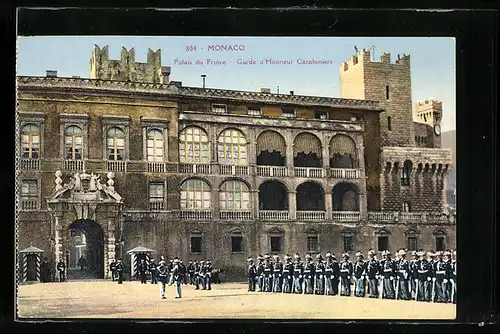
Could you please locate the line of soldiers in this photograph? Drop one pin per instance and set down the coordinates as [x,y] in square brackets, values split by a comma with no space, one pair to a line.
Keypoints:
[428,276]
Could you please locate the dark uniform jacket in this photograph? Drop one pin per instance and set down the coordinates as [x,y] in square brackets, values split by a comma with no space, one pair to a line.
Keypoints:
[372,268]
[260,268]
[142,268]
[112,266]
[454,270]
[443,270]
[424,270]
[152,267]
[119,267]
[329,269]
[208,269]
[288,270]
[308,270]
[414,269]
[359,269]
[388,268]
[202,270]
[252,270]
[403,269]
[162,273]
[346,269]
[61,266]
[268,269]
[190,269]
[177,272]
[278,269]
[298,269]
[319,269]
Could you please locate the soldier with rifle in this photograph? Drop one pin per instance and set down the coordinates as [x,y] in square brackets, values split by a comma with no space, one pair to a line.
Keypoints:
[372,272]
[359,273]
[287,274]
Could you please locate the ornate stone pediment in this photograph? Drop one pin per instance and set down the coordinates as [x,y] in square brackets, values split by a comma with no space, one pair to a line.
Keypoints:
[84,191]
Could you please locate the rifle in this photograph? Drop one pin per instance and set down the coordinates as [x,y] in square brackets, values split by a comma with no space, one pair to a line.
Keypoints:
[433,291]
[397,288]
[452,289]
[381,288]
[416,291]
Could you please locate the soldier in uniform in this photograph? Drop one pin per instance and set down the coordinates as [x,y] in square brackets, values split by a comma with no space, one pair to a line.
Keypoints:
[200,279]
[346,270]
[112,269]
[252,273]
[177,275]
[413,274]
[170,267]
[119,271]
[142,269]
[278,273]
[319,268]
[190,273]
[389,274]
[336,275]
[424,278]
[453,279]
[162,277]
[44,270]
[61,268]
[196,266]
[287,274]
[308,276]
[373,271]
[208,274]
[359,273]
[403,277]
[329,274]
[152,270]
[442,274]
[298,269]
[432,260]
[268,273]
[183,271]
[260,273]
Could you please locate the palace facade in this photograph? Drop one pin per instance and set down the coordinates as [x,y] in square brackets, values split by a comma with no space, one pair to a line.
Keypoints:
[132,160]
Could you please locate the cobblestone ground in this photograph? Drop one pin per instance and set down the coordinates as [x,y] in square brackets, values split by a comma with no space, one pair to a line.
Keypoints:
[106,299]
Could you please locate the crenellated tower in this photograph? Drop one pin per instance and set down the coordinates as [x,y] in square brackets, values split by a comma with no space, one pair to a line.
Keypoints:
[127,69]
[386,82]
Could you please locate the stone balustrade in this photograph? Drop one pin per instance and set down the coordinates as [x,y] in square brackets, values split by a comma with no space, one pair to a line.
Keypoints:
[30,164]
[311,215]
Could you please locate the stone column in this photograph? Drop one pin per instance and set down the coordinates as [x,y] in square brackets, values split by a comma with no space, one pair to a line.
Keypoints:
[362,181]
[289,152]
[255,203]
[325,152]
[292,204]
[212,137]
[252,147]
[214,202]
[328,203]
[111,251]
[58,237]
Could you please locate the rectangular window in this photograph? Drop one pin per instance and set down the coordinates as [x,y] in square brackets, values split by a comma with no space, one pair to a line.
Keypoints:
[348,243]
[383,243]
[156,195]
[440,244]
[288,113]
[412,243]
[29,195]
[236,243]
[196,243]
[276,244]
[312,243]
[219,108]
[320,115]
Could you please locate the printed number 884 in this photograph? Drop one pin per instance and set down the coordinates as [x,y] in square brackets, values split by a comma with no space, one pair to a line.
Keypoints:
[190,48]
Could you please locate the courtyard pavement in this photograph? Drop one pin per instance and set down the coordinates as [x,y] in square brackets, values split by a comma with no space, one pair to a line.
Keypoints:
[106,299]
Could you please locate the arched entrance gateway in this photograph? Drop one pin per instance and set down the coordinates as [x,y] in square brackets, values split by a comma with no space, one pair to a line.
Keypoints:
[85,224]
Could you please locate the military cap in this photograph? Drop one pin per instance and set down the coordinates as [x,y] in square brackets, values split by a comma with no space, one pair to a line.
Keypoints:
[328,255]
[176,261]
[209,261]
[286,257]
[297,256]
[359,254]
[319,257]
[202,261]
[119,260]
[190,261]
[402,252]
[371,252]
[259,257]
[250,259]
[308,256]
[161,263]
[413,253]
[276,256]
[345,255]
[387,252]
[446,253]
[267,256]
[420,253]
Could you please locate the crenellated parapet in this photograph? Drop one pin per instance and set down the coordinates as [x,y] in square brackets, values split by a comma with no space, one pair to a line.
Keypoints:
[127,69]
[430,160]
[363,57]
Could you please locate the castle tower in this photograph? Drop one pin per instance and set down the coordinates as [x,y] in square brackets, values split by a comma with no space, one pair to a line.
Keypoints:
[430,112]
[386,82]
[127,69]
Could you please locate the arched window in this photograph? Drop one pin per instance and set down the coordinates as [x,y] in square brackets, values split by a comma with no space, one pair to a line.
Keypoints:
[195,195]
[116,144]
[405,173]
[406,206]
[73,142]
[194,146]
[389,123]
[342,152]
[234,195]
[155,145]
[232,148]
[307,150]
[271,149]
[30,141]
[412,240]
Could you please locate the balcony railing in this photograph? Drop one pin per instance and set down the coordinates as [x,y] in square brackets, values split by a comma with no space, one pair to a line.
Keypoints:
[308,172]
[311,215]
[157,205]
[74,165]
[195,169]
[235,215]
[156,167]
[344,173]
[196,214]
[381,216]
[29,205]
[271,171]
[411,217]
[117,166]
[233,170]
[346,216]
[273,215]
[30,164]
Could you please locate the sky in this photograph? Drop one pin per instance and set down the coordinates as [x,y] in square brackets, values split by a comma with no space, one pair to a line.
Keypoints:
[432,61]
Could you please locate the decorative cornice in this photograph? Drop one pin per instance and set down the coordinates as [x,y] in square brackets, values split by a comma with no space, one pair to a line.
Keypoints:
[25,82]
